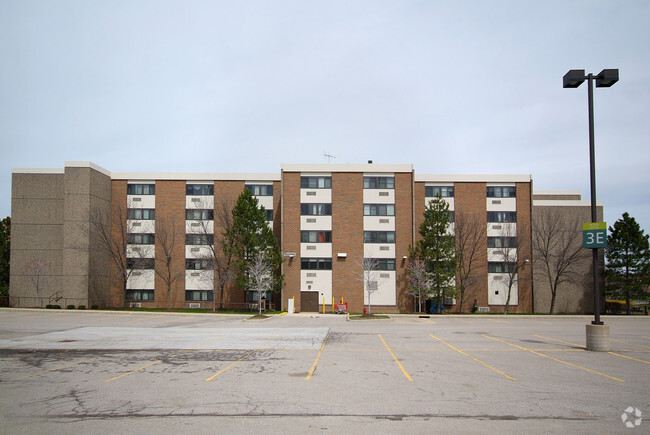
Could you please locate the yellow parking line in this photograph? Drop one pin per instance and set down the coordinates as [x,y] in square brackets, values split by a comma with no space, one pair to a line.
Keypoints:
[629,357]
[475,359]
[561,341]
[133,371]
[611,353]
[395,358]
[554,359]
[44,371]
[240,359]
[313,367]
[633,344]
[159,361]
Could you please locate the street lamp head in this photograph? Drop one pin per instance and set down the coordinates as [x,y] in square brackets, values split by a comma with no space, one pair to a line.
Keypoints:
[606,78]
[573,78]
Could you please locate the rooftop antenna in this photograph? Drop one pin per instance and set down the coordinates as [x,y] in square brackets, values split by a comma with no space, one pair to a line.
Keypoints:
[329,156]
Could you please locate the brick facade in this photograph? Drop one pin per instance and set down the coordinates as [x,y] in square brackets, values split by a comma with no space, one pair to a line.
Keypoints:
[347,232]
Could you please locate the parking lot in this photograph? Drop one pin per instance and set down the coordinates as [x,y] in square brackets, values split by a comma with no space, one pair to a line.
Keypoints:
[130,372]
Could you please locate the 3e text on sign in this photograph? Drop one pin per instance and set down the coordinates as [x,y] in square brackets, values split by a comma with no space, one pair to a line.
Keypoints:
[594,235]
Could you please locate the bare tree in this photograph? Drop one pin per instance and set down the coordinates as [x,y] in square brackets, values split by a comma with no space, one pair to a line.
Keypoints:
[38,272]
[510,254]
[419,281]
[260,272]
[470,235]
[218,258]
[369,276]
[168,240]
[557,244]
[111,230]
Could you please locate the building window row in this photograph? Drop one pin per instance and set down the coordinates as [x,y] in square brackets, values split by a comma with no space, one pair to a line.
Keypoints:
[199,214]
[381,263]
[502,216]
[141,239]
[260,189]
[316,263]
[378,182]
[139,295]
[502,242]
[316,236]
[500,267]
[501,192]
[199,295]
[199,239]
[141,189]
[316,209]
[379,237]
[316,182]
[199,189]
[198,264]
[145,214]
[379,209]
[444,191]
[140,263]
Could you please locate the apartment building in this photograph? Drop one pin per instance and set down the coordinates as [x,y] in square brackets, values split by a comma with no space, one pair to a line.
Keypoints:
[327,218]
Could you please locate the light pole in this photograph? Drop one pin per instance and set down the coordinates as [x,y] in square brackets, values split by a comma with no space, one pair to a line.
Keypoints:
[604,79]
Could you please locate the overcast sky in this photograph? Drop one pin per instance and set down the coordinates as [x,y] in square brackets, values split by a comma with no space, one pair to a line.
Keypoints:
[243,86]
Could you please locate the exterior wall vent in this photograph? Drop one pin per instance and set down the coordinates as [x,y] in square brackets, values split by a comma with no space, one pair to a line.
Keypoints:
[311,220]
[311,193]
[384,221]
[384,248]
[383,193]
[483,309]
[195,305]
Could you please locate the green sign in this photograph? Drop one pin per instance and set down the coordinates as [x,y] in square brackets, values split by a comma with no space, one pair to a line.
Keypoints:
[594,235]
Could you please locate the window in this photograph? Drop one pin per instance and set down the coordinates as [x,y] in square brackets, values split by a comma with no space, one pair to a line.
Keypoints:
[502,242]
[139,263]
[501,191]
[140,239]
[379,209]
[199,239]
[141,214]
[198,264]
[379,237]
[269,215]
[444,191]
[452,216]
[139,295]
[141,189]
[316,236]
[500,267]
[199,189]
[198,295]
[316,182]
[260,189]
[382,263]
[316,264]
[199,215]
[502,216]
[316,209]
[378,182]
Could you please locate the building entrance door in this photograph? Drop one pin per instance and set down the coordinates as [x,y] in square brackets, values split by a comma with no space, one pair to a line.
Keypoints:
[309,302]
